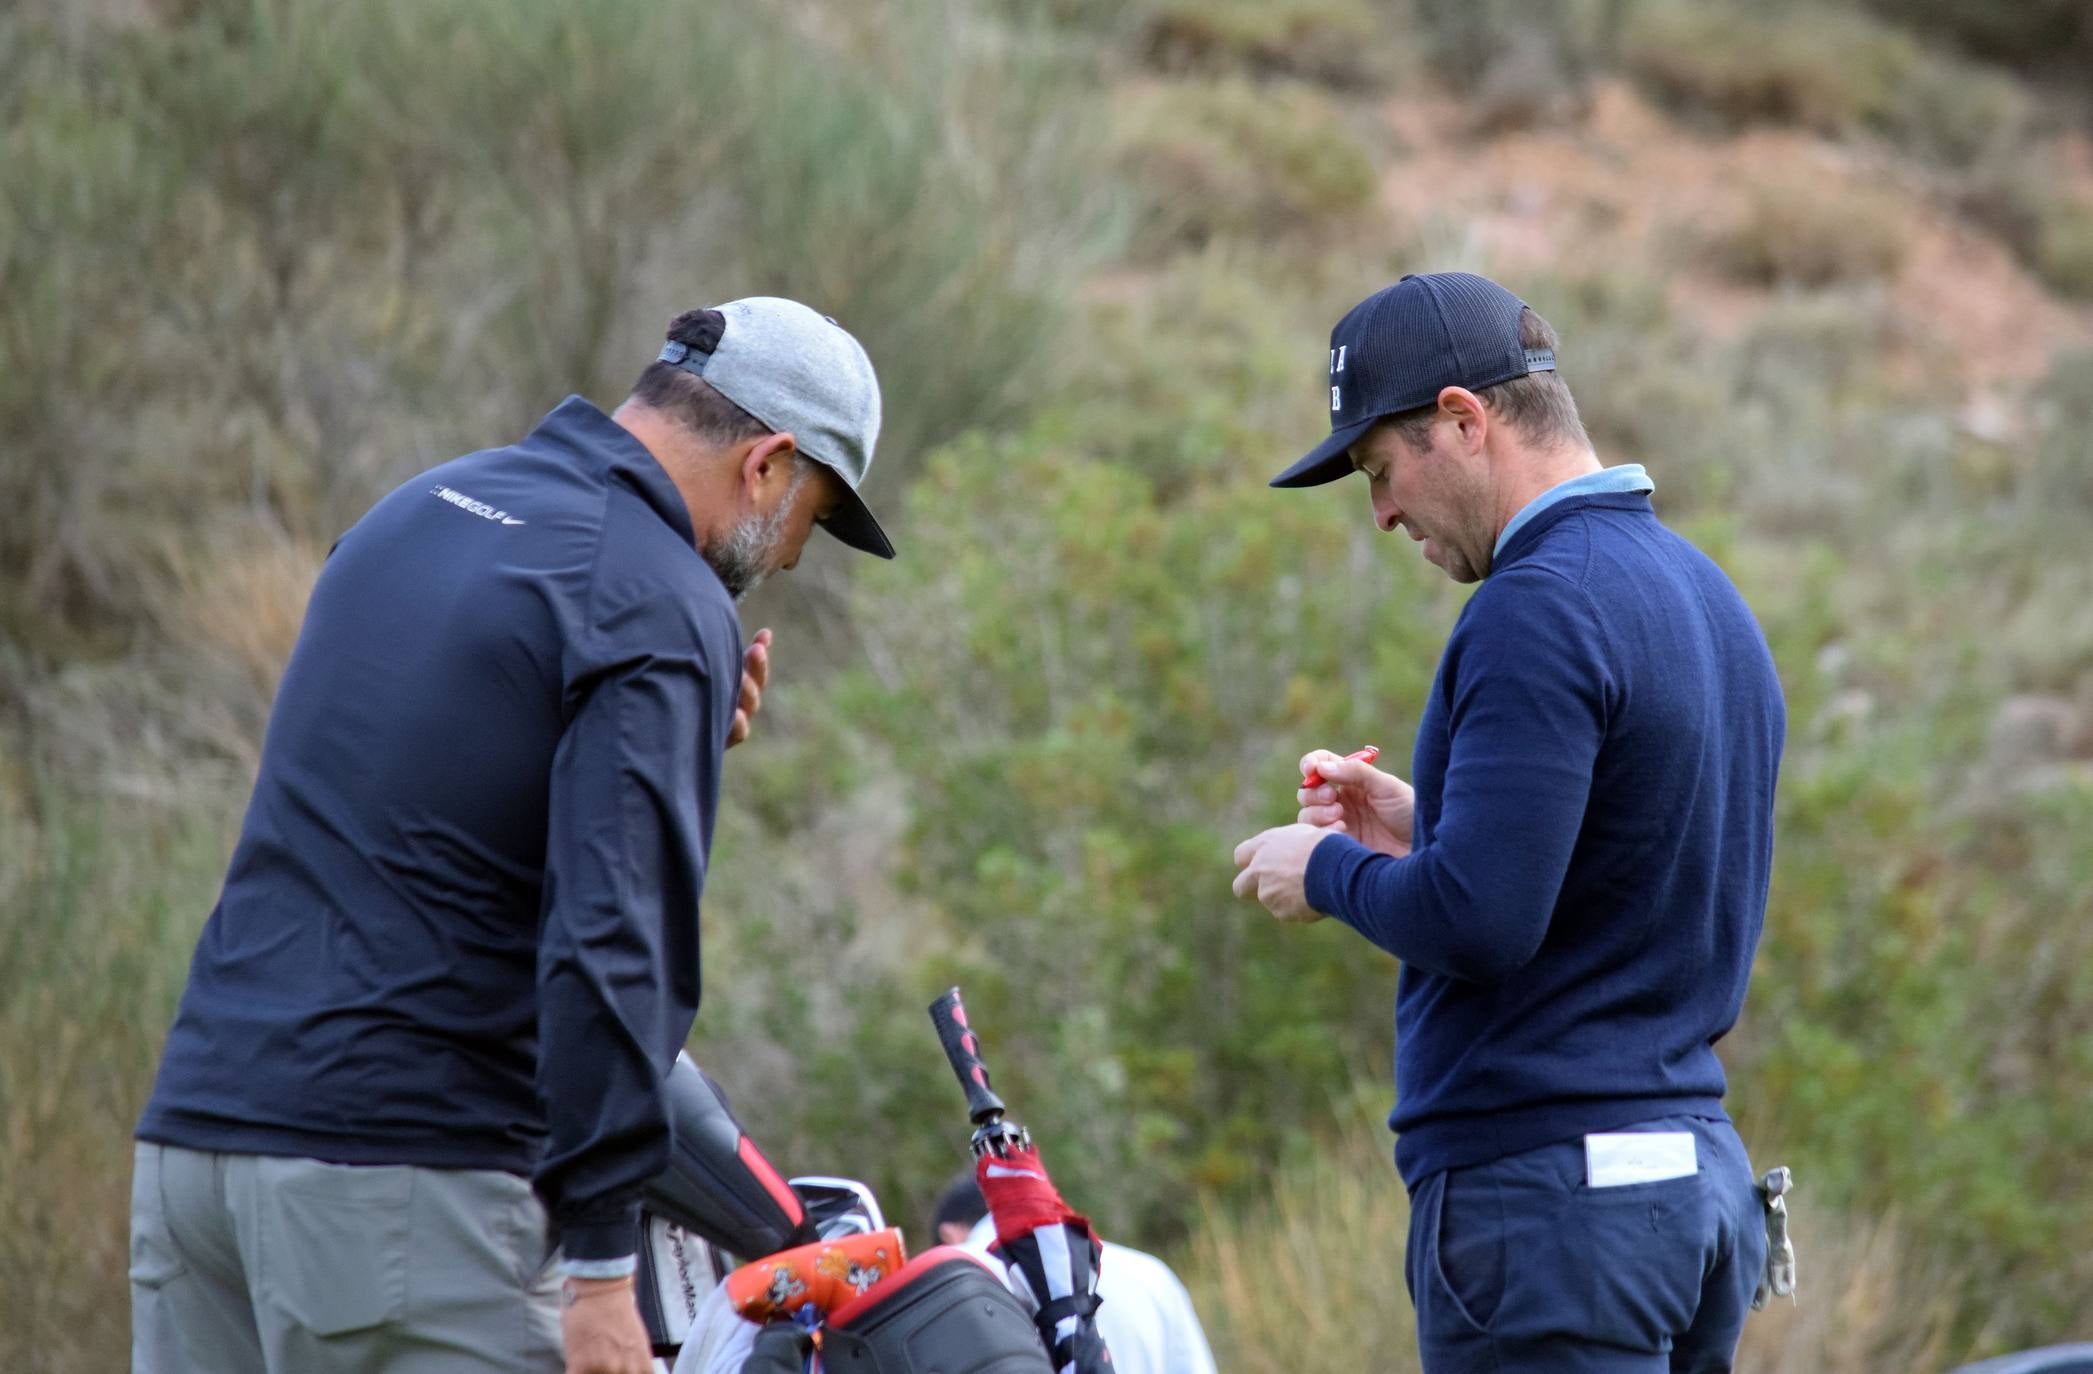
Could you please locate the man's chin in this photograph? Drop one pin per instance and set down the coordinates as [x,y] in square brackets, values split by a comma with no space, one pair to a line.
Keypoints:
[740,563]
[1456,568]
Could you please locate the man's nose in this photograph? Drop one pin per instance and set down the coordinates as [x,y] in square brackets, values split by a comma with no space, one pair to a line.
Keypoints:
[1387,514]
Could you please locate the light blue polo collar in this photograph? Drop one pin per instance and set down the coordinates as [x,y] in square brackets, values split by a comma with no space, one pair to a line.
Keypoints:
[1626,477]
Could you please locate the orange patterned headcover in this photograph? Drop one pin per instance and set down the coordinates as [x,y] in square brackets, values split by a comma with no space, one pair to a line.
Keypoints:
[827,1274]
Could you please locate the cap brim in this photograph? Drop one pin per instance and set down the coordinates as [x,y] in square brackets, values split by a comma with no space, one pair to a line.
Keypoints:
[853,524]
[1329,460]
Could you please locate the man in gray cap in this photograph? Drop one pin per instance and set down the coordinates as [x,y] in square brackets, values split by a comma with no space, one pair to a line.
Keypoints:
[1576,882]
[427,1026]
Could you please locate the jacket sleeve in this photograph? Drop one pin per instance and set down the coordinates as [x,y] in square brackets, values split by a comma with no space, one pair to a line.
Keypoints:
[635,783]
[1528,702]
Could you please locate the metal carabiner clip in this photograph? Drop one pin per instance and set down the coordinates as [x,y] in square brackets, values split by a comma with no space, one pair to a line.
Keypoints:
[1779,1278]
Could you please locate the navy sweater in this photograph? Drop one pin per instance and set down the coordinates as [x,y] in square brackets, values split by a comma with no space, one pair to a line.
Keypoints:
[1594,832]
[460,927]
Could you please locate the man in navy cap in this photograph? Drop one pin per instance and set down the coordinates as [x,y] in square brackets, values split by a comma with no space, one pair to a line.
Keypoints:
[428,1026]
[1576,883]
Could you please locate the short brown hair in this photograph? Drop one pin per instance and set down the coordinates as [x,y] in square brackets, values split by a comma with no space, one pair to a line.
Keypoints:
[1539,405]
[669,389]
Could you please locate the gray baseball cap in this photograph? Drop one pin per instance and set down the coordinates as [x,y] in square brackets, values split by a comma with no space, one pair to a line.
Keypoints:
[800,373]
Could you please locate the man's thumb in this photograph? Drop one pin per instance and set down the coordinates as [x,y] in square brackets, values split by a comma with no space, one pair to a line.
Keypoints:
[1337,768]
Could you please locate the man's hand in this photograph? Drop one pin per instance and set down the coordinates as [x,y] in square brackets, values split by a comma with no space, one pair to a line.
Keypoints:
[755,676]
[601,1328]
[1274,866]
[1359,800]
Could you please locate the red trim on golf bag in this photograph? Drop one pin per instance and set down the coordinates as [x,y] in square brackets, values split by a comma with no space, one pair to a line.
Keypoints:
[768,1177]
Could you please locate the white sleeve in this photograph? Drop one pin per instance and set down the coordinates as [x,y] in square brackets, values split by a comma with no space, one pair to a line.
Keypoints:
[1189,1353]
[1147,1318]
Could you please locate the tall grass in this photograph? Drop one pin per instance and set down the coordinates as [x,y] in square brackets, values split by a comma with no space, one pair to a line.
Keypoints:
[1310,1280]
[102,906]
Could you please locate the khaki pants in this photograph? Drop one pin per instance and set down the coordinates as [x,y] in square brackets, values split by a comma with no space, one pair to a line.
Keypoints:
[254,1264]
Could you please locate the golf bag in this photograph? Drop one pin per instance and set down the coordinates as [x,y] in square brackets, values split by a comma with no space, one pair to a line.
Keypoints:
[719,1199]
[945,1311]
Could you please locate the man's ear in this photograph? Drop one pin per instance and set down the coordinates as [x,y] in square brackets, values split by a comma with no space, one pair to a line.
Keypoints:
[766,467]
[1465,409]
[952,1233]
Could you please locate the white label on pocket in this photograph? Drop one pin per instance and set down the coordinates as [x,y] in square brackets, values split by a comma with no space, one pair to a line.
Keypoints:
[1622,1157]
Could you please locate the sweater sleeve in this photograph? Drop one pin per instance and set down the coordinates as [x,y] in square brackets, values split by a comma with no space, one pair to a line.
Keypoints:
[1527,696]
[633,784]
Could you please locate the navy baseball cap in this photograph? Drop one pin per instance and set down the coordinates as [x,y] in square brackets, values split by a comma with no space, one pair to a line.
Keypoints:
[1397,349]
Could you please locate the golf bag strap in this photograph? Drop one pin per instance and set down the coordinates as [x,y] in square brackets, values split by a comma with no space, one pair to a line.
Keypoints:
[1064,1348]
[1074,1305]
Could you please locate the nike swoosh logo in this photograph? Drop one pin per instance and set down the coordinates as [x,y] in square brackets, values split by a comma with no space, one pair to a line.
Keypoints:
[510,520]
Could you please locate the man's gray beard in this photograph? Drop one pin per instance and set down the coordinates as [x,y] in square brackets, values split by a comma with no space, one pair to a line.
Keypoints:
[748,553]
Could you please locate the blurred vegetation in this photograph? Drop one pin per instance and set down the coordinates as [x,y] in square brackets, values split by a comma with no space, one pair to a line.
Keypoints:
[1828,70]
[262,259]
[1283,1282]
[1797,231]
[1221,159]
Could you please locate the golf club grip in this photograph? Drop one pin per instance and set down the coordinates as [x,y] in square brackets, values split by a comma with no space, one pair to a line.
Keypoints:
[963,1049]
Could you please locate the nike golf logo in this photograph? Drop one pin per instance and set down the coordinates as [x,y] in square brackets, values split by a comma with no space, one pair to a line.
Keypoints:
[1005,1171]
[479,508]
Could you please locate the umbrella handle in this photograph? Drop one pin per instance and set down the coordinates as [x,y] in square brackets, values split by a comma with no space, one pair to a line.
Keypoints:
[963,1050]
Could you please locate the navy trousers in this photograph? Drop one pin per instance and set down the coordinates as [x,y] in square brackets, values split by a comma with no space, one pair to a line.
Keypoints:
[1517,1265]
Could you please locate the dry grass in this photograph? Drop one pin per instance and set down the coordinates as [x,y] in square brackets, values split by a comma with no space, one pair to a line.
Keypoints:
[1309,1281]
[241,600]
[92,951]
[1867,1305]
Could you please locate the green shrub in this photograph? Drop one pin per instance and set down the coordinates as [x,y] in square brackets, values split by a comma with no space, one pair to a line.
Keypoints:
[2029,202]
[1644,385]
[1339,43]
[1827,69]
[1797,229]
[2058,482]
[1214,368]
[2063,255]
[313,245]
[1228,158]
[1955,113]
[2036,35]
[1566,43]
[1746,64]
[81,206]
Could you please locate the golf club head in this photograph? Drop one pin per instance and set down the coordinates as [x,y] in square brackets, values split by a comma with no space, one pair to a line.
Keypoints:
[839,1206]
